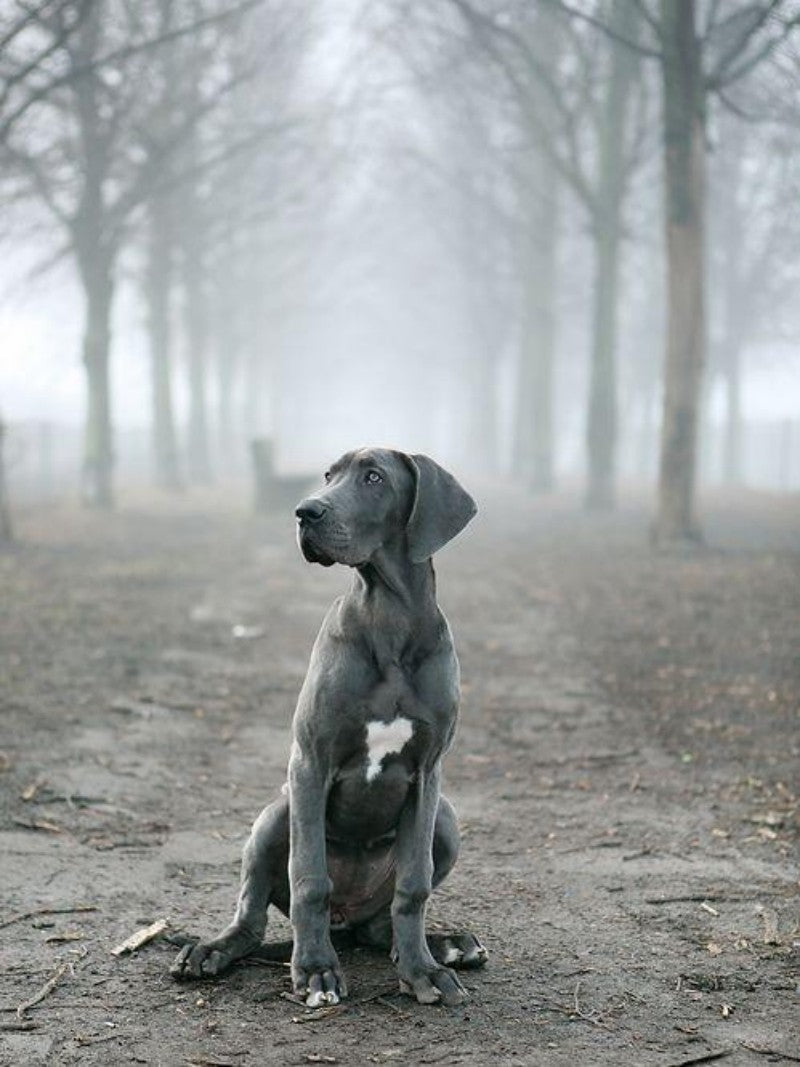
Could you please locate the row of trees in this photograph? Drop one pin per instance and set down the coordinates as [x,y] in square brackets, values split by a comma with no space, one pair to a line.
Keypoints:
[599,105]
[210,151]
[164,140]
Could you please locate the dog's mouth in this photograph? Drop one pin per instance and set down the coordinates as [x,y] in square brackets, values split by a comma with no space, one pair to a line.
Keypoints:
[312,552]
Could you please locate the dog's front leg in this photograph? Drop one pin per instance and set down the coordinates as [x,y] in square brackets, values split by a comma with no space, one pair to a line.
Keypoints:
[419,972]
[316,973]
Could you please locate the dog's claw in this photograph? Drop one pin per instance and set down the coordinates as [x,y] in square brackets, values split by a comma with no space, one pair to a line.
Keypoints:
[204,959]
[320,999]
[320,988]
[437,986]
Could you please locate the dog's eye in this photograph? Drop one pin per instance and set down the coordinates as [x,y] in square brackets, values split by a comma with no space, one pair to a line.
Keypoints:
[372,477]
[327,476]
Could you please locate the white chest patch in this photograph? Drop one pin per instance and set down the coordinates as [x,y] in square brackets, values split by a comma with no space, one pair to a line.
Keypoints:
[384,739]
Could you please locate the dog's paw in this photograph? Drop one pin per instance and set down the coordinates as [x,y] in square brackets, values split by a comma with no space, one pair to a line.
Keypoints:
[319,980]
[462,951]
[207,959]
[434,985]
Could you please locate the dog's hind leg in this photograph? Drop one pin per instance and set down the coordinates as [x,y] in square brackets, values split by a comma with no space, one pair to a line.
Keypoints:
[264,881]
[459,950]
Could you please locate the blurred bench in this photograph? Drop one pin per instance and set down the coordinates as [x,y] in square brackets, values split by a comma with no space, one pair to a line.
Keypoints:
[275,493]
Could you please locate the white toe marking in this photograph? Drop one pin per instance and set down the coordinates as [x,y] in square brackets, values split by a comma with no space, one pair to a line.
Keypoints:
[453,954]
[383,739]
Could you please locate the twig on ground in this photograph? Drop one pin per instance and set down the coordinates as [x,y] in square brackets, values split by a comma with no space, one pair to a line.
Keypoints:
[761,1051]
[704,1057]
[94,1039]
[321,1014]
[388,1004]
[140,937]
[206,1061]
[577,1012]
[22,915]
[39,824]
[68,935]
[19,1026]
[699,898]
[45,991]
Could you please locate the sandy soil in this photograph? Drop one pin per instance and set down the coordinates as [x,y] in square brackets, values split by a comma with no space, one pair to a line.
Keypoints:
[626,775]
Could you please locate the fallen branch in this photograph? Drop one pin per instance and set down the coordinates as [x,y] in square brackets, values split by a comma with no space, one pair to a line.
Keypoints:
[45,991]
[698,898]
[140,938]
[22,915]
[705,1057]
[321,1014]
[761,1051]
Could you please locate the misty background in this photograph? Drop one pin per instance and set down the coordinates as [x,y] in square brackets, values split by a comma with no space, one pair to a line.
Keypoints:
[490,230]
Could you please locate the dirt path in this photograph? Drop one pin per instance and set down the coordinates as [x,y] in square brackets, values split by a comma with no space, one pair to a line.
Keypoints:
[625,774]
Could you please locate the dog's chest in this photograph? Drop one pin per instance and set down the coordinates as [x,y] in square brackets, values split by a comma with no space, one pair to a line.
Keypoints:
[385,739]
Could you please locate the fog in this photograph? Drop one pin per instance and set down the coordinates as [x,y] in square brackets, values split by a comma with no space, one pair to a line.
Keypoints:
[438,227]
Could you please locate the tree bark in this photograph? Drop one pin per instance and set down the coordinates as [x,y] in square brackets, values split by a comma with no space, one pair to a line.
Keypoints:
[158,284]
[601,425]
[196,333]
[482,419]
[6,526]
[602,416]
[98,461]
[732,444]
[95,252]
[684,151]
[533,446]
[533,449]
[226,358]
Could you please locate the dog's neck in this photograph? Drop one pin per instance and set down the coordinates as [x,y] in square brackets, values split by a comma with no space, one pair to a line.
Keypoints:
[391,589]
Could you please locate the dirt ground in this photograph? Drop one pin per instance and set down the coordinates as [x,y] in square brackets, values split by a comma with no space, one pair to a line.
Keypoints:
[626,775]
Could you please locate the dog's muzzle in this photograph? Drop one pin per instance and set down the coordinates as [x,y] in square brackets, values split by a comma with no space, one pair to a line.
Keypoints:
[310,515]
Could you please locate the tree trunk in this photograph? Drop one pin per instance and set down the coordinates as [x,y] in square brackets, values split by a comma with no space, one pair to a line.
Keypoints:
[226,365]
[601,426]
[730,244]
[158,290]
[601,423]
[196,331]
[684,152]
[6,527]
[98,461]
[482,400]
[95,253]
[732,443]
[533,448]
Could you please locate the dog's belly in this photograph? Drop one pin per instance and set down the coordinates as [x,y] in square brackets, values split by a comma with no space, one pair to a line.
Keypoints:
[362,882]
[361,819]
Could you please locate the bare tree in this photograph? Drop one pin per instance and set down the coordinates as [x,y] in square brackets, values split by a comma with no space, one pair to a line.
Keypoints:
[559,116]
[6,526]
[96,136]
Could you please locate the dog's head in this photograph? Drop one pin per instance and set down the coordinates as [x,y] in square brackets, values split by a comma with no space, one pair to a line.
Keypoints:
[376,497]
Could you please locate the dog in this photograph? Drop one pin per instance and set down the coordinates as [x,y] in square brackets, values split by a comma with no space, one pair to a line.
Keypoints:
[362,832]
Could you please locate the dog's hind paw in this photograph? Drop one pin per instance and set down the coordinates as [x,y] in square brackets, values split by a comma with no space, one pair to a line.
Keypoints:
[462,951]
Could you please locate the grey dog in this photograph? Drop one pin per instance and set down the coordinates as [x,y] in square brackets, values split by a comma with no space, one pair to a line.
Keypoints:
[362,832]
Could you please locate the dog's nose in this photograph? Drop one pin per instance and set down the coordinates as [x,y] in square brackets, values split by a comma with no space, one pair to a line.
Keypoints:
[310,511]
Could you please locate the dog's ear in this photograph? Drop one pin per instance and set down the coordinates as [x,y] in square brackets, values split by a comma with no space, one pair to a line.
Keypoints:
[441,508]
